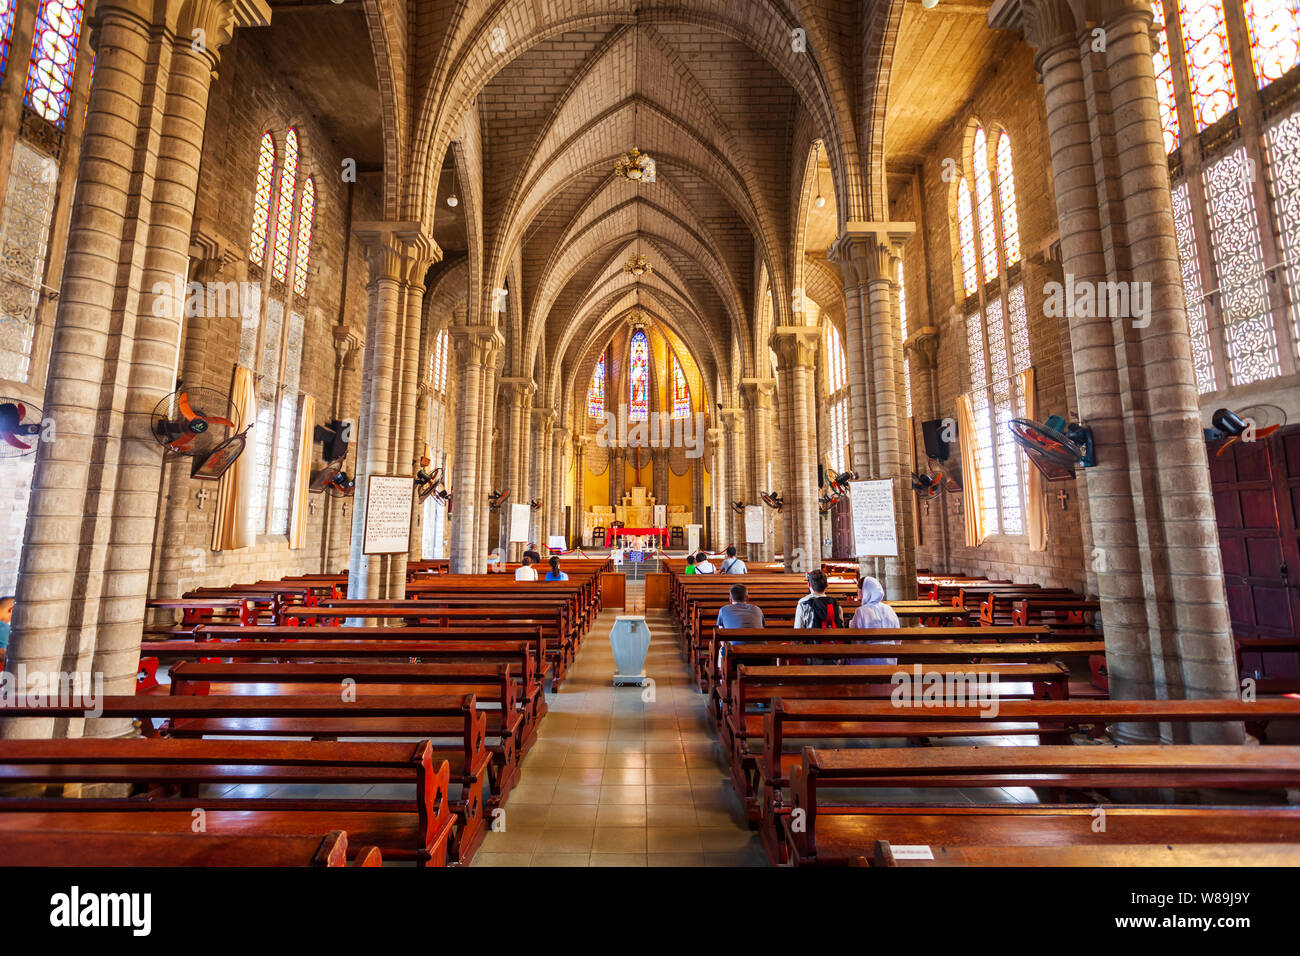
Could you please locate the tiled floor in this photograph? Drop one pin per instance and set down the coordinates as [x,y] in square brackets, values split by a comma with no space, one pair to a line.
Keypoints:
[623,777]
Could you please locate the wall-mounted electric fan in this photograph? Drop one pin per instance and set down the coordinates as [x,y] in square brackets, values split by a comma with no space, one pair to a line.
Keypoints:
[426,483]
[20,428]
[496,499]
[333,481]
[773,500]
[738,507]
[203,424]
[1249,424]
[1054,446]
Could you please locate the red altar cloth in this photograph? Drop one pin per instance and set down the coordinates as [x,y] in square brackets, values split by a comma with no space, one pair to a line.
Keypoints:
[611,533]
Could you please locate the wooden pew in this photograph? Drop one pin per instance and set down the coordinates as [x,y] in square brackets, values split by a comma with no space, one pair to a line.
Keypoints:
[508,735]
[834,835]
[68,846]
[1115,855]
[417,828]
[451,724]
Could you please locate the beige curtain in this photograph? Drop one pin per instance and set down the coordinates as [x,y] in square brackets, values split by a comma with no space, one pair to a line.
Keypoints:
[298,512]
[1035,509]
[235,489]
[970,473]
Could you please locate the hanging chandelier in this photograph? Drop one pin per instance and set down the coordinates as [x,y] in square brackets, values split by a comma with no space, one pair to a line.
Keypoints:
[635,165]
[638,265]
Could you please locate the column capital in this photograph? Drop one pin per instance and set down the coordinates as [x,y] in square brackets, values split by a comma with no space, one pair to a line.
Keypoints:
[205,26]
[397,251]
[345,340]
[211,247]
[519,389]
[924,345]
[864,249]
[476,344]
[795,346]
[758,391]
[560,434]
[543,415]
[733,419]
[1047,25]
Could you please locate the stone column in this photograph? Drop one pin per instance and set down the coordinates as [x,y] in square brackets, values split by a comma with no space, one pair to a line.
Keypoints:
[734,426]
[516,407]
[580,443]
[759,394]
[347,345]
[489,433]
[560,442]
[84,575]
[796,353]
[924,348]
[474,348]
[539,471]
[395,252]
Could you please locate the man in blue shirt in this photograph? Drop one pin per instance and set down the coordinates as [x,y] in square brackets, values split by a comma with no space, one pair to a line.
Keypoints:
[733,564]
[739,613]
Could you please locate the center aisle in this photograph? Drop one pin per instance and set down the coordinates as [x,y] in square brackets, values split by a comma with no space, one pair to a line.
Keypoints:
[615,780]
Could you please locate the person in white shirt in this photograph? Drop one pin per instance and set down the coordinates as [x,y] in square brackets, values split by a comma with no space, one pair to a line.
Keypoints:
[733,564]
[703,565]
[526,571]
[873,613]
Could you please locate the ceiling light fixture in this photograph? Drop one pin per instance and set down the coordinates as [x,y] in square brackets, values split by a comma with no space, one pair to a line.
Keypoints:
[635,165]
[452,201]
[638,265]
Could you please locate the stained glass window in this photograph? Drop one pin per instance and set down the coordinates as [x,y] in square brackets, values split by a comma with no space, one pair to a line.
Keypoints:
[838,428]
[54,58]
[596,391]
[1238,261]
[1019,322]
[262,200]
[639,378]
[1164,71]
[284,208]
[1274,27]
[1007,197]
[1283,140]
[6,31]
[681,392]
[984,205]
[302,251]
[24,235]
[268,389]
[966,238]
[1205,37]
[902,328]
[1193,291]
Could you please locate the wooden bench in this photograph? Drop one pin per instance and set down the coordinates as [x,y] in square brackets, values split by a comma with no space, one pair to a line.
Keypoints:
[835,834]
[451,724]
[1110,854]
[417,828]
[68,846]
[509,736]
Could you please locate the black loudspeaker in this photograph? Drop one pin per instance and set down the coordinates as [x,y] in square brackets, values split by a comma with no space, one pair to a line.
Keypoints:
[935,446]
[821,475]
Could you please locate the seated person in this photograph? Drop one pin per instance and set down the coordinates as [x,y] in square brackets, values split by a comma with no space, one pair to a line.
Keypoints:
[6,615]
[703,565]
[737,614]
[733,564]
[555,574]
[873,612]
[533,553]
[526,571]
[690,564]
[816,608]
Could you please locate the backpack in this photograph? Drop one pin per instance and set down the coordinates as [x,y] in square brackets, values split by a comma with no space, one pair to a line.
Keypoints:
[826,613]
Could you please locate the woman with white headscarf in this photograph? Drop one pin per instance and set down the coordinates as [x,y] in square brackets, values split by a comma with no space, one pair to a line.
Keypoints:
[873,613]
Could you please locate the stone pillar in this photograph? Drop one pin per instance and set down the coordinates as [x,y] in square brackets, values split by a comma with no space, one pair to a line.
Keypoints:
[580,443]
[347,345]
[516,406]
[560,443]
[490,477]
[474,348]
[1151,516]
[796,353]
[659,475]
[539,471]
[734,425]
[84,576]
[759,395]
[923,346]
[396,253]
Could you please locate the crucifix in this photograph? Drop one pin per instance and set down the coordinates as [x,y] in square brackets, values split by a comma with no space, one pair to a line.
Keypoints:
[311,506]
[1062,496]
[638,465]
[202,497]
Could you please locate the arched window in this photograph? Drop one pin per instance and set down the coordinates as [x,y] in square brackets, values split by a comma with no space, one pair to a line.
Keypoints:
[1274,28]
[837,399]
[302,251]
[984,205]
[966,236]
[1205,39]
[639,378]
[997,330]
[1238,240]
[6,31]
[262,200]
[438,362]
[284,208]
[1164,70]
[681,392]
[596,390]
[54,58]
[902,328]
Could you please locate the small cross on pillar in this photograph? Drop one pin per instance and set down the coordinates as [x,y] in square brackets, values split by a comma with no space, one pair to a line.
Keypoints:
[202,497]
[311,505]
[1062,496]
